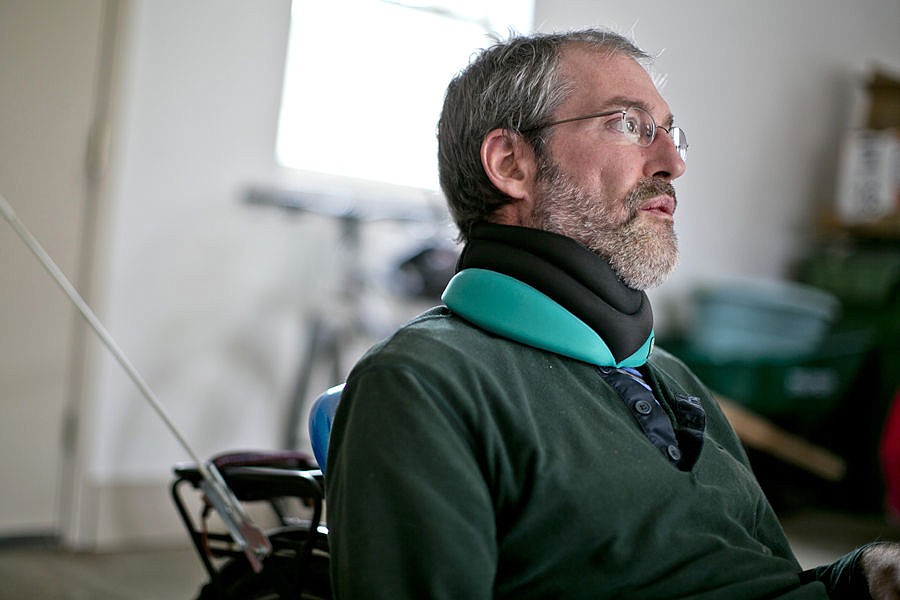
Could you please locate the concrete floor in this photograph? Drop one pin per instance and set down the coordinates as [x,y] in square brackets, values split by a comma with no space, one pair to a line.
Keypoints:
[44,573]
[819,536]
[38,573]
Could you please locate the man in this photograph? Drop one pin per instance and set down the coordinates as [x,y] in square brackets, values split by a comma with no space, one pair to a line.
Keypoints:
[525,440]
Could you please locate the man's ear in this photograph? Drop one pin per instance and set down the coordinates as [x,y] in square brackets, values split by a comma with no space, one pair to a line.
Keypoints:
[509,163]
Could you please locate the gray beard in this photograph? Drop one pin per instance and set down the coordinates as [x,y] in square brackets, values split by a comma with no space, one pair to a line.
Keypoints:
[642,254]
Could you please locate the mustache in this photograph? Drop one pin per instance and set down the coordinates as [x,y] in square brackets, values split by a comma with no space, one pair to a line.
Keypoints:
[647,188]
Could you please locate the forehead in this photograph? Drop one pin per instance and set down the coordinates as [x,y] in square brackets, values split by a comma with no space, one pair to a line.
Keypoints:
[599,79]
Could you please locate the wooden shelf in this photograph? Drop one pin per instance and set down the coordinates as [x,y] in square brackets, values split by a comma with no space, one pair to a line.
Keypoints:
[885,229]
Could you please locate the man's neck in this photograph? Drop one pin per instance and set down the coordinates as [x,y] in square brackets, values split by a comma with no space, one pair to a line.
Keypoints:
[570,275]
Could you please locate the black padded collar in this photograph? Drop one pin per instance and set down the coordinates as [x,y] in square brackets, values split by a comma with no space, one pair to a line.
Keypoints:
[570,274]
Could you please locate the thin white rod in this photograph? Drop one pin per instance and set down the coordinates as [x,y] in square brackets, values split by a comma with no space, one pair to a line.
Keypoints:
[255,543]
[60,278]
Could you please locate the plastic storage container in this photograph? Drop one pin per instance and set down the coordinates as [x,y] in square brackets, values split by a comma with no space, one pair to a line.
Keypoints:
[803,387]
[751,318]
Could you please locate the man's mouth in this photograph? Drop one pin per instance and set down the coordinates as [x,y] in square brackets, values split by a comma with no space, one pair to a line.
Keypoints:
[660,205]
[654,196]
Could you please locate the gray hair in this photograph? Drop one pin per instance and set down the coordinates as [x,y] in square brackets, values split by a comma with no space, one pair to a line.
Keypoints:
[513,85]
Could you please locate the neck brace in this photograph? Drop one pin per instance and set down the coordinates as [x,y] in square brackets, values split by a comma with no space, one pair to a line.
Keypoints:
[548,291]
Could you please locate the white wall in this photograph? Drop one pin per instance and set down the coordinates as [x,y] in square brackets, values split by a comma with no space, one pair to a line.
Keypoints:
[764,91]
[184,253]
[48,105]
[201,291]
[206,294]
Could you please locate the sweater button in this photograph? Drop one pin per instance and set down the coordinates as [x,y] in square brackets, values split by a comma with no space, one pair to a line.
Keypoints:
[643,407]
[673,452]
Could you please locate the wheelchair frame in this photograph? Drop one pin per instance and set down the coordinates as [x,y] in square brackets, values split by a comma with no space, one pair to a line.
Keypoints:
[298,564]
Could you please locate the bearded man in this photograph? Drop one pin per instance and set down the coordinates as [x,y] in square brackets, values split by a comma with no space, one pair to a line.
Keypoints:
[525,439]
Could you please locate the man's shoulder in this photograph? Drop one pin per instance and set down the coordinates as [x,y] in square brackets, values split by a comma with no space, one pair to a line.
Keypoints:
[437,325]
[435,335]
[437,357]
[661,357]
[439,345]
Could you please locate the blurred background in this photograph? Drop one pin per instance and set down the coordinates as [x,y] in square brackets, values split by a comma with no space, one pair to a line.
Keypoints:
[239,188]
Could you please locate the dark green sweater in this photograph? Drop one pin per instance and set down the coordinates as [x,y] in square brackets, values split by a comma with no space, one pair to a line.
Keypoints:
[463,465]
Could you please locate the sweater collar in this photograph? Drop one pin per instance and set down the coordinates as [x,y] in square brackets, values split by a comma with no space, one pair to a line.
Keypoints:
[551,292]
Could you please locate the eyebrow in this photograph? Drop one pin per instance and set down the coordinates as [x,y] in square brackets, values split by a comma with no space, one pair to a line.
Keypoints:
[625,101]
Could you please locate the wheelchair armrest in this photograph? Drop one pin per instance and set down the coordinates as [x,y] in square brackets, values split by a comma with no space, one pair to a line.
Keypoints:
[263,483]
[261,476]
[284,459]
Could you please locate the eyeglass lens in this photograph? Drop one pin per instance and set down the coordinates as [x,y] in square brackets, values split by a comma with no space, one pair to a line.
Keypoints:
[640,128]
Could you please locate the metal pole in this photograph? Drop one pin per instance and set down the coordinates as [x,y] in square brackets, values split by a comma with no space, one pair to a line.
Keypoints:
[254,542]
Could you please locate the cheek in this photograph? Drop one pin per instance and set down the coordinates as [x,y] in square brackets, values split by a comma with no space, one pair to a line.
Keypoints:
[609,172]
[610,186]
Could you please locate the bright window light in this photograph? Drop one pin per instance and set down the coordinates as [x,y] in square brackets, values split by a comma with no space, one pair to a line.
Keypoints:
[365,80]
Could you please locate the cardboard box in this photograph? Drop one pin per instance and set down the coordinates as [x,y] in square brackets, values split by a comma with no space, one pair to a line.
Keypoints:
[884,101]
[868,182]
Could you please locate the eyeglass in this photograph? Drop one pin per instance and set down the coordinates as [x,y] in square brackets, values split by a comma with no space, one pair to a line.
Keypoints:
[636,124]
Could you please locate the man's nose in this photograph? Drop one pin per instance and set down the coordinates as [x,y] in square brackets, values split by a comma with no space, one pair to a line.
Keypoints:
[664,160]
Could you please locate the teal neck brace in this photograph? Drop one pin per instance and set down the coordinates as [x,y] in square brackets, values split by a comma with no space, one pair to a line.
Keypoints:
[549,292]
[514,310]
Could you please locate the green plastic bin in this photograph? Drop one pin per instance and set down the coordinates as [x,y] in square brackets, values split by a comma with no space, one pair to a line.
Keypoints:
[804,387]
